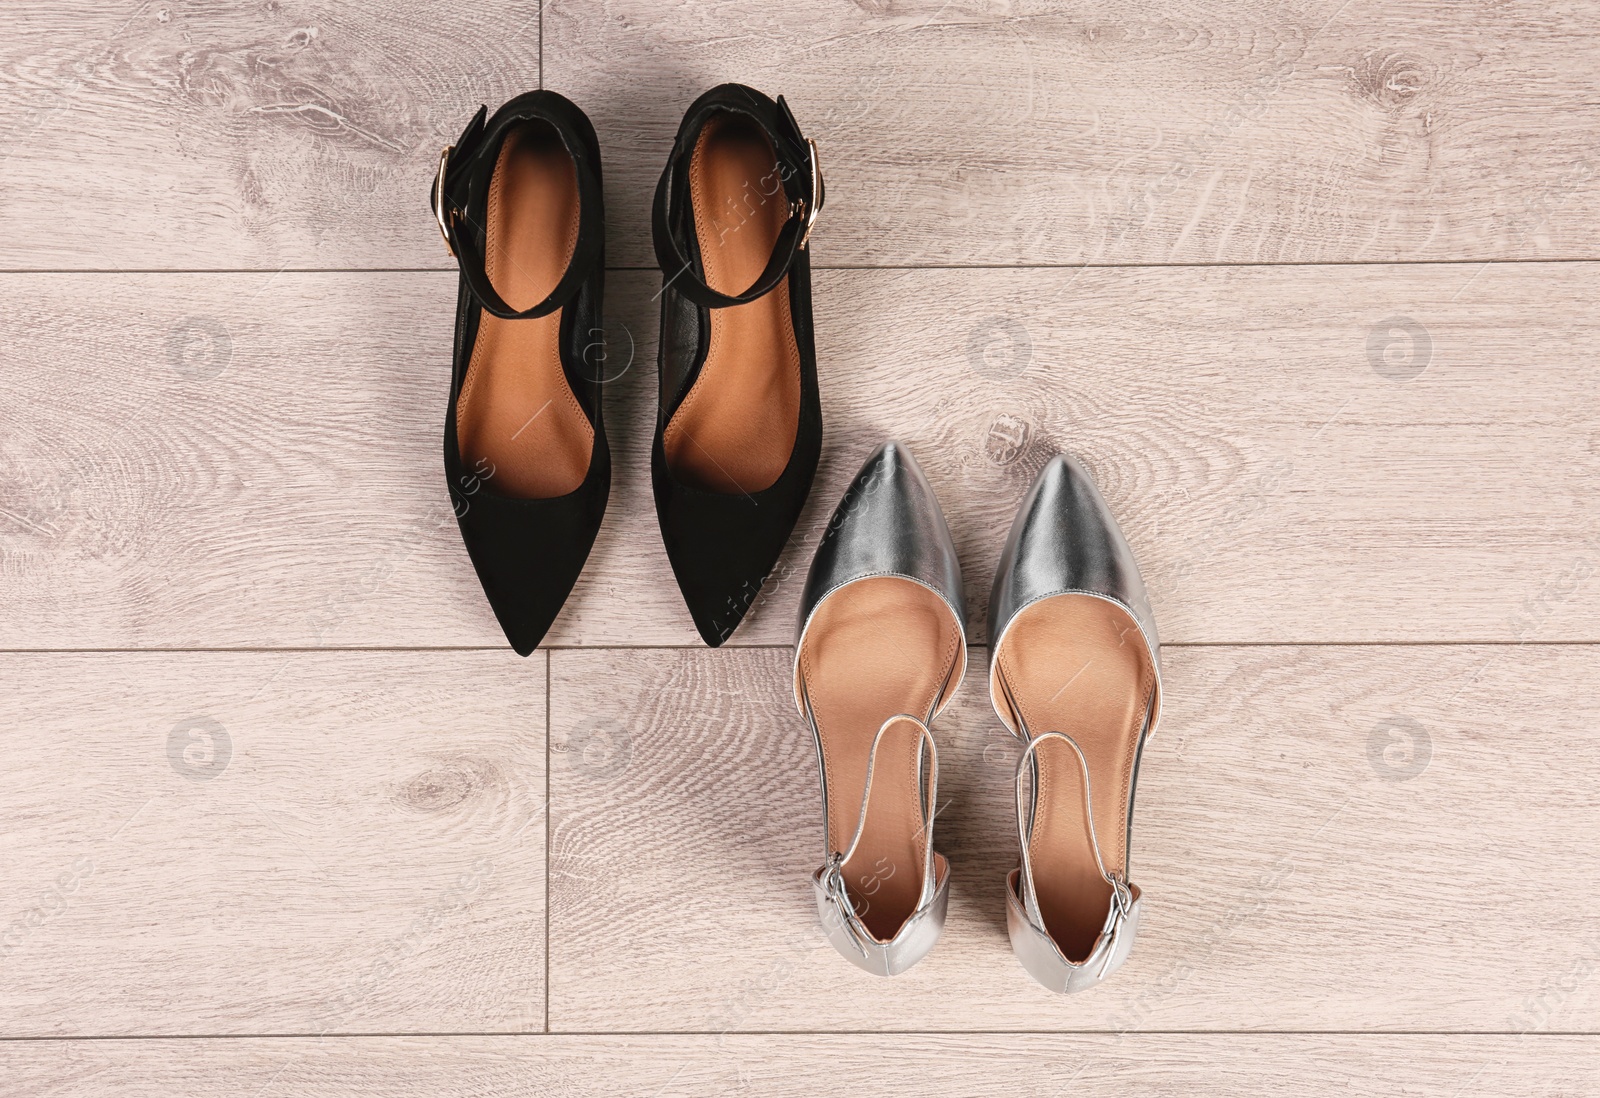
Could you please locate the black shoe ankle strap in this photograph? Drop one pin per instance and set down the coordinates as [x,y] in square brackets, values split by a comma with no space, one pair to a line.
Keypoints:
[460,197]
[799,181]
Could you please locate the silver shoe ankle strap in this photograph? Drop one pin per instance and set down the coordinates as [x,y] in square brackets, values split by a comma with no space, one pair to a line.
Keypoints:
[1121,893]
[831,874]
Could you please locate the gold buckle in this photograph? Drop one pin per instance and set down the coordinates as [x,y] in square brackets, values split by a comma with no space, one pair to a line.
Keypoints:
[816,190]
[438,200]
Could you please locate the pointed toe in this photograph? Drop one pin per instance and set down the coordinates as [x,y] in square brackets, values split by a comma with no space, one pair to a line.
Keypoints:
[711,630]
[524,625]
[528,554]
[1063,539]
[887,524]
[716,610]
[722,548]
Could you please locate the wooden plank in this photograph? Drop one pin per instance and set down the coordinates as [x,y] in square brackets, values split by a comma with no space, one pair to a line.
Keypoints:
[1032,133]
[1328,838]
[253,460]
[1114,132]
[206,136]
[900,1065]
[304,135]
[249,843]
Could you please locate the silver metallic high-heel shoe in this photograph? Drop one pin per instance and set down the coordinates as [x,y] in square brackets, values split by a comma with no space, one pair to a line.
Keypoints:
[1075,674]
[881,650]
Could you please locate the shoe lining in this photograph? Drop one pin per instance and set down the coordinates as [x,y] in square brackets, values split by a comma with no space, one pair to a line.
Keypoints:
[519,425]
[1078,664]
[876,648]
[736,427]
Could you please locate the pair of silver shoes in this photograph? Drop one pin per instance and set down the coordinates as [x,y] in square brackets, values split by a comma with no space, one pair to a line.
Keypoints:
[1073,674]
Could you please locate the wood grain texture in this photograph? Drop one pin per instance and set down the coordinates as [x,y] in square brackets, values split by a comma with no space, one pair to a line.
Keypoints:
[310,843]
[253,460]
[298,133]
[1206,1066]
[963,132]
[1328,838]
[252,847]
[304,133]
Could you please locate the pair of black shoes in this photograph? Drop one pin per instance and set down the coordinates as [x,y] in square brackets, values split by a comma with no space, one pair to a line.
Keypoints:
[739,430]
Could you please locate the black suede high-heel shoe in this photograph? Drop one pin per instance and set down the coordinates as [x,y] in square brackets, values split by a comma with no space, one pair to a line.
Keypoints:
[518,200]
[739,430]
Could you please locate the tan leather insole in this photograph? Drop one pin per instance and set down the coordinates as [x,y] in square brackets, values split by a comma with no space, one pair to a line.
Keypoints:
[878,647]
[517,418]
[1077,664]
[735,429]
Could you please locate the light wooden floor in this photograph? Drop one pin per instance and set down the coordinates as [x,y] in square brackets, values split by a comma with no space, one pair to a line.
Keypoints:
[1309,285]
